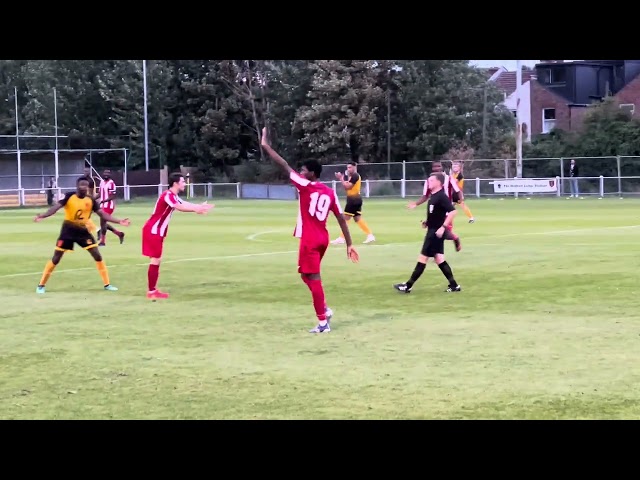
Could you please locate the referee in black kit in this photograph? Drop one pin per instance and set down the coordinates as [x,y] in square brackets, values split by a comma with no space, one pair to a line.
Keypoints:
[440,213]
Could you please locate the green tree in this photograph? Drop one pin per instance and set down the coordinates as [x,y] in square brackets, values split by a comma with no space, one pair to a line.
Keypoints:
[11,76]
[445,106]
[216,118]
[342,120]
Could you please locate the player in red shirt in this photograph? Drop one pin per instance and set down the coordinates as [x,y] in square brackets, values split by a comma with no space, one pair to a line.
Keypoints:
[107,202]
[155,230]
[316,201]
[452,189]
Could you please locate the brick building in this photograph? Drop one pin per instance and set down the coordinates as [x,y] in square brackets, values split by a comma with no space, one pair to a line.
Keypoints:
[562,92]
[558,94]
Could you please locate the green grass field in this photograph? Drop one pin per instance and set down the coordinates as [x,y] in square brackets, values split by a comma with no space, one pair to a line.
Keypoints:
[547,325]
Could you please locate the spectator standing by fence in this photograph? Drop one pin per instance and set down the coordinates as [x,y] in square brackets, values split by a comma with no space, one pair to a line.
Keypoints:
[51,187]
[574,173]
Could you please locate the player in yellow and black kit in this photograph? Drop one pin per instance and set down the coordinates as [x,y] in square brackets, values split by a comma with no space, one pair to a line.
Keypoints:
[456,174]
[78,207]
[353,208]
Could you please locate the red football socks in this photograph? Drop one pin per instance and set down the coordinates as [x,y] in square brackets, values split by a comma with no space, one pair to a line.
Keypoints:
[317,292]
[152,276]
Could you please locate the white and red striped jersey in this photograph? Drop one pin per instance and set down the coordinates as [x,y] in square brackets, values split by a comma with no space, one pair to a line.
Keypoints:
[107,189]
[158,223]
[450,185]
[315,200]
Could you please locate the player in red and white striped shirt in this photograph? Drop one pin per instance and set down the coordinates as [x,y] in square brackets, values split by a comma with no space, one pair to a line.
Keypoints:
[316,202]
[107,202]
[155,230]
[451,187]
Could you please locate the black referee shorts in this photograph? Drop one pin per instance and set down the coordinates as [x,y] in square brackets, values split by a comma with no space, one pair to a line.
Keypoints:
[432,245]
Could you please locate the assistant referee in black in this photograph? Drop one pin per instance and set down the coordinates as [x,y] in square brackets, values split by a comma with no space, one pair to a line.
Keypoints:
[440,213]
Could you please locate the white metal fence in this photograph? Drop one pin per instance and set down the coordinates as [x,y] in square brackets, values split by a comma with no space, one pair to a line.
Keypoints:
[477,187]
[601,176]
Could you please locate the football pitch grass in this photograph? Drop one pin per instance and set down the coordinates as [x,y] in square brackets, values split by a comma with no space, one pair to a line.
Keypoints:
[547,325]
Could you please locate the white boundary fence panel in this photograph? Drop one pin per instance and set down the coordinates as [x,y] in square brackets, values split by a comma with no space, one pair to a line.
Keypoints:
[599,177]
[474,188]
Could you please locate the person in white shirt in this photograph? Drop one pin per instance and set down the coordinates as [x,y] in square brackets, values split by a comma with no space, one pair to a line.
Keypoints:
[107,202]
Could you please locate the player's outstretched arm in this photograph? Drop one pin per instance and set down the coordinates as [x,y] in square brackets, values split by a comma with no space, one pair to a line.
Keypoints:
[108,218]
[264,142]
[49,212]
[194,207]
[413,205]
[175,202]
[351,252]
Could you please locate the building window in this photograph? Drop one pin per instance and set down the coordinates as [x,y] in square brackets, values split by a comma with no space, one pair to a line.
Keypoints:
[544,74]
[558,76]
[548,119]
[629,108]
[553,76]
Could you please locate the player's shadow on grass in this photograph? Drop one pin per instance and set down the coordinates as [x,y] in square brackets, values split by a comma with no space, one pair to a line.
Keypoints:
[315,352]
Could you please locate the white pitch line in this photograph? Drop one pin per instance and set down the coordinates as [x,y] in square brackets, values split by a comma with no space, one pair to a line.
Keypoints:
[254,236]
[561,232]
[287,252]
[181,260]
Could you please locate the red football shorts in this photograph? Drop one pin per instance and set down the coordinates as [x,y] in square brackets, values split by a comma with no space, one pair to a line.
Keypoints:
[151,244]
[310,256]
[109,210]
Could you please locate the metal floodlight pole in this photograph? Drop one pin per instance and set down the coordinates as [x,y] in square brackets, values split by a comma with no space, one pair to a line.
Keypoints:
[518,119]
[55,116]
[389,126]
[125,179]
[15,91]
[146,124]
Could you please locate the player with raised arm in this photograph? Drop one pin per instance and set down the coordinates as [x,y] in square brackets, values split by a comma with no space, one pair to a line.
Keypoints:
[78,206]
[457,177]
[440,214]
[353,208]
[92,181]
[316,200]
[108,204]
[449,190]
[155,229]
